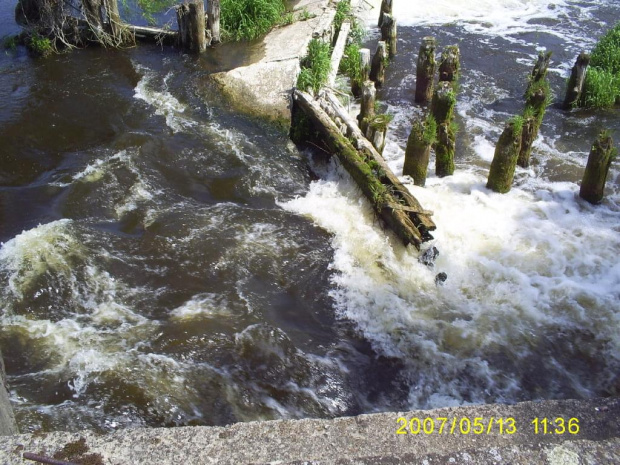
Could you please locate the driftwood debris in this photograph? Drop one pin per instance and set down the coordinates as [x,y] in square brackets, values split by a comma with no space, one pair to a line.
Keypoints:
[377,68]
[597,169]
[154,34]
[371,174]
[576,81]
[425,72]
[191,21]
[504,161]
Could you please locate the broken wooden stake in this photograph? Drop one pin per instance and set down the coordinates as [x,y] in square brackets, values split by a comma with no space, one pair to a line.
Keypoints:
[389,33]
[504,161]
[367,110]
[425,72]
[442,109]
[386,7]
[535,106]
[541,67]
[213,20]
[450,64]
[597,169]
[417,153]
[377,68]
[191,21]
[576,81]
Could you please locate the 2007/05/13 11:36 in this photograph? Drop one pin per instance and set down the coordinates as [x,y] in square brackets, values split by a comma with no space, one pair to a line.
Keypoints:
[480,425]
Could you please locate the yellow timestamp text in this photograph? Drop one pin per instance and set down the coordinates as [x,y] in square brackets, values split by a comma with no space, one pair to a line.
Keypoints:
[557,425]
[456,425]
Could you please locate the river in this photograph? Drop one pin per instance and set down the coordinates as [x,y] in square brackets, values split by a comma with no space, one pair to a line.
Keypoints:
[166,261]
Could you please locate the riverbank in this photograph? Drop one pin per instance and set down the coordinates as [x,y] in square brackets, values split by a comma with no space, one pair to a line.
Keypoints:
[366,439]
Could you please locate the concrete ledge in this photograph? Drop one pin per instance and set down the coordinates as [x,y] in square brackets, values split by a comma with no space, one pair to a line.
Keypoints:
[7,420]
[264,88]
[366,439]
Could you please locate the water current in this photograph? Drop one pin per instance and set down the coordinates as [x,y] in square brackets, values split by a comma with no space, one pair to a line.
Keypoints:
[166,261]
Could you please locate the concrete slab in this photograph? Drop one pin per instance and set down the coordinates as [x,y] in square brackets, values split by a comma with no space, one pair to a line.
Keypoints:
[507,434]
[264,88]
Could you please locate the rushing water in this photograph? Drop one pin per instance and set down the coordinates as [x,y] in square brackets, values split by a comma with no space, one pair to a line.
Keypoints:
[167,262]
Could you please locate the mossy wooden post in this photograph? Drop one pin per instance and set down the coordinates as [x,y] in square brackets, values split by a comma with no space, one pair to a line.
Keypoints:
[536,103]
[386,7]
[442,109]
[191,21]
[213,20]
[417,153]
[377,67]
[425,72]
[450,64]
[504,161]
[541,67]
[367,110]
[576,81]
[599,161]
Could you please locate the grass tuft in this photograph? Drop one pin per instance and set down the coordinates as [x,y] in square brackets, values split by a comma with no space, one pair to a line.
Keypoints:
[602,85]
[315,66]
[39,45]
[249,19]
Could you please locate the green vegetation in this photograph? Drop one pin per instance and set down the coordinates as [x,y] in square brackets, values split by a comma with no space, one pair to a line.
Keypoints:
[602,85]
[315,66]
[249,19]
[429,135]
[151,7]
[350,64]
[343,10]
[41,46]
[517,124]
[10,43]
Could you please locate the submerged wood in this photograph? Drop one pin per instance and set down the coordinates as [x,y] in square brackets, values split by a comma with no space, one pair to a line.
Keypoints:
[377,68]
[417,154]
[191,21]
[450,64]
[594,178]
[423,222]
[154,34]
[576,81]
[355,163]
[425,72]
[504,161]
[213,20]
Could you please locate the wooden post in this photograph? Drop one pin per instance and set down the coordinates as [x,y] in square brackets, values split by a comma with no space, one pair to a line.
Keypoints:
[417,154]
[386,7]
[377,68]
[365,64]
[450,64]
[442,109]
[540,68]
[444,100]
[425,72]
[595,175]
[576,81]
[191,21]
[389,33]
[213,20]
[367,110]
[535,106]
[504,161]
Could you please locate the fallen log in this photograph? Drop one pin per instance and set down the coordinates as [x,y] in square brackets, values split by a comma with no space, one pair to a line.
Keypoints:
[422,221]
[154,34]
[354,161]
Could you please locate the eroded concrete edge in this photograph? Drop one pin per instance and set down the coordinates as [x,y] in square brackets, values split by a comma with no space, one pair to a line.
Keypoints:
[264,89]
[366,439]
[7,419]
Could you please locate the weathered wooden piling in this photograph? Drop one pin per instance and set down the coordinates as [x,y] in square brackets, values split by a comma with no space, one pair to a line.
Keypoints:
[576,81]
[367,110]
[191,21]
[450,64]
[425,72]
[356,85]
[504,161]
[597,168]
[386,7]
[442,109]
[541,67]
[389,33]
[377,67]
[213,20]
[418,151]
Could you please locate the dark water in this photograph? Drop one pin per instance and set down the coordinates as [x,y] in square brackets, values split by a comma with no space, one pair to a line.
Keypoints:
[166,261]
